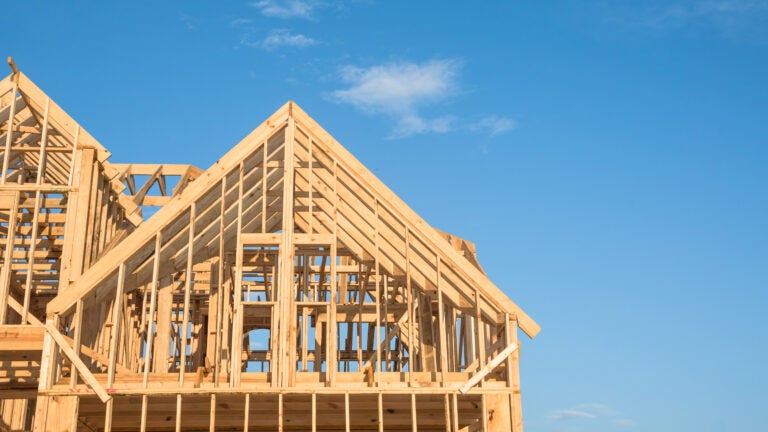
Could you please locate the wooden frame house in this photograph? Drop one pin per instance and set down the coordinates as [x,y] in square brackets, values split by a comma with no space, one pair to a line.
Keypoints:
[285,288]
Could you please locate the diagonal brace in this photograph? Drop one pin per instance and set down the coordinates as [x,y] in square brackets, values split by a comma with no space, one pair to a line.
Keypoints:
[488,368]
[79,365]
[61,341]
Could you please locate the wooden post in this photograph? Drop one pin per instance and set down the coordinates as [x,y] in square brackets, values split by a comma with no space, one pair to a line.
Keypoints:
[311,187]
[117,309]
[410,304]
[212,419]
[42,159]
[78,324]
[380,400]
[247,413]
[346,412]
[455,413]
[441,323]
[221,298]
[31,257]
[73,157]
[479,333]
[332,342]
[78,220]
[5,271]
[513,375]
[150,324]
[286,332]
[377,276]
[163,332]
[47,369]
[188,279]
[9,136]
[237,319]
[314,412]
[447,408]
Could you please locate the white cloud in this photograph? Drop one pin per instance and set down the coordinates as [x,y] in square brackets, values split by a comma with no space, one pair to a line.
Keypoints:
[286,9]
[397,88]
[569,414]
[400,90]
[493,125]
[280,38]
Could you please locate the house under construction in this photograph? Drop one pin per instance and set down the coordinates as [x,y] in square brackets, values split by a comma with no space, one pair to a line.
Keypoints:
[285,288]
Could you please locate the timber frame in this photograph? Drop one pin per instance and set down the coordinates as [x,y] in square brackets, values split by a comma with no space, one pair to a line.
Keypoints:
[284,288]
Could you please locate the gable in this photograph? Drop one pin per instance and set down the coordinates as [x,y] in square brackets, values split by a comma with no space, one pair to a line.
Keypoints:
[52,173]
[290,164]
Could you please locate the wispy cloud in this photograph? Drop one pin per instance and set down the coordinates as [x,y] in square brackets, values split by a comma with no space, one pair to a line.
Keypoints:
[413,125]
[591,411]
[401,90]
[278,38]
[304,9]
[189,22]
[287,9]
[729,18]
[598,408]
[493,125]
[239,22]
[285,38]
[569,414]
[624,423]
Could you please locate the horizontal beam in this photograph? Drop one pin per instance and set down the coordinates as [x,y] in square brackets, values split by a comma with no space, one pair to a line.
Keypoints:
[27,129]
[171,391]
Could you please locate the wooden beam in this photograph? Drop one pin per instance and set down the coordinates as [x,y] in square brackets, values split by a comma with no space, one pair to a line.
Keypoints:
[13,66]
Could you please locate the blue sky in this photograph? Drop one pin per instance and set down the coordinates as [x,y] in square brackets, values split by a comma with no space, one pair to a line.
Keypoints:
[608,158]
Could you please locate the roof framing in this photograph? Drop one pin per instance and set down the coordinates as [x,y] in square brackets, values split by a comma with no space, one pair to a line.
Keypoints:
[138,246]
[285,282]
